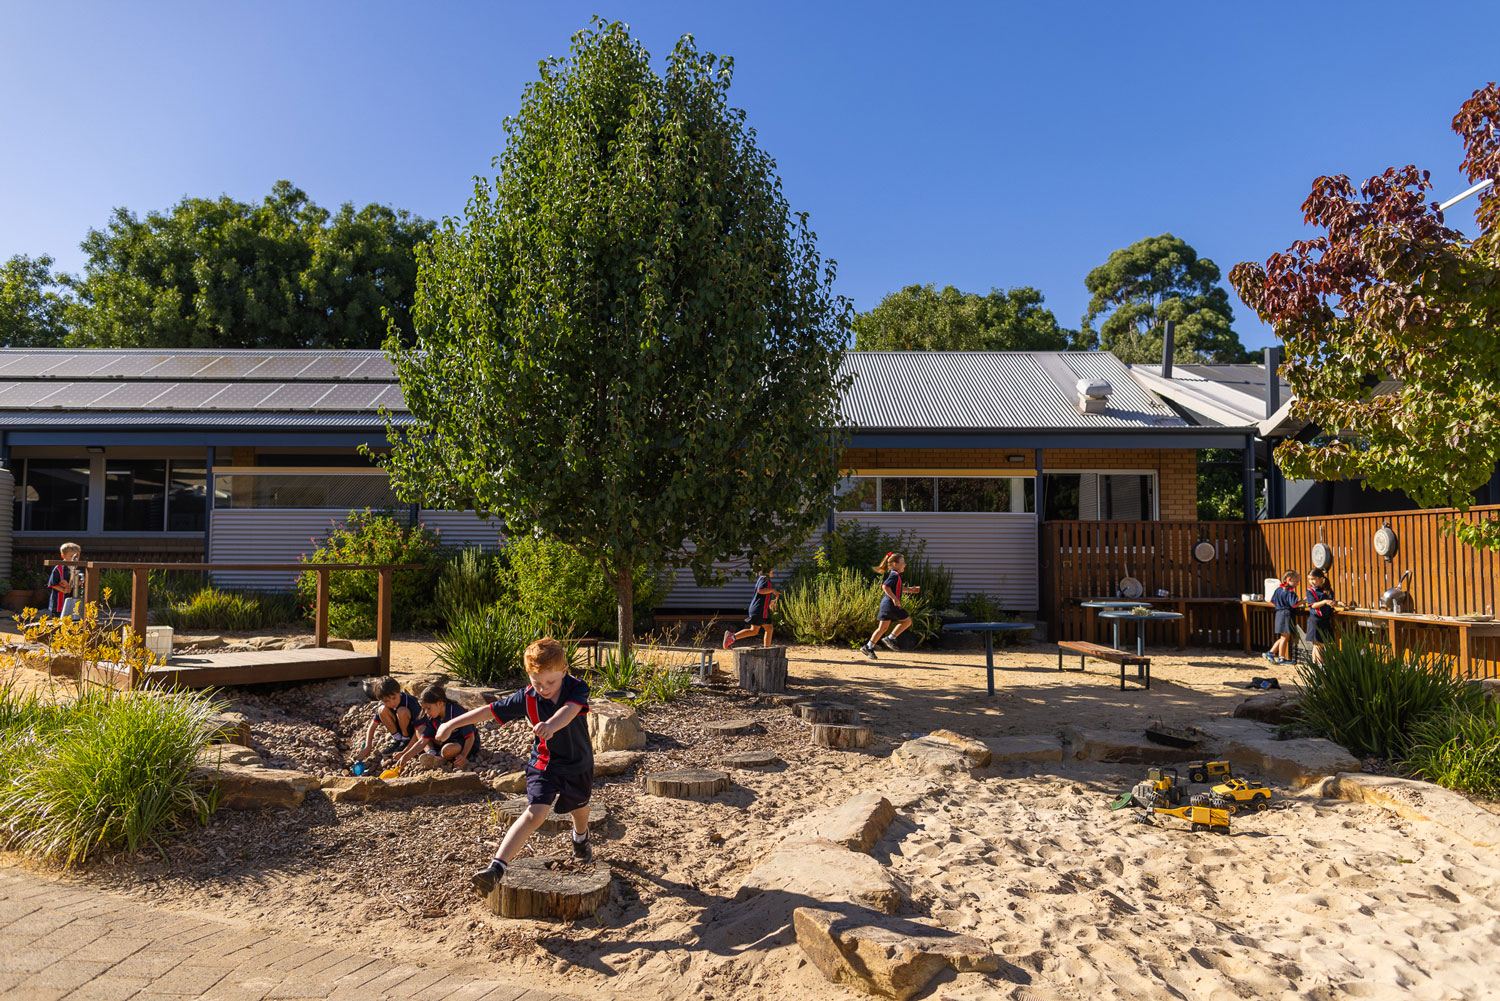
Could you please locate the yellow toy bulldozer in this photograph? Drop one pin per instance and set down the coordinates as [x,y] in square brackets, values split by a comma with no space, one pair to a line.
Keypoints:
[1161,785]
[1204,813]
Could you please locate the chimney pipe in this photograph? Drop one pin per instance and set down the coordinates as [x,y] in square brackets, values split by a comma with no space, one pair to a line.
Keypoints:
[1168,346]
[1273,380]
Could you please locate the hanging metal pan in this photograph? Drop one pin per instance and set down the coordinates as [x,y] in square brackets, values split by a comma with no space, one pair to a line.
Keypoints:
[1385,541]
[1322,555]
[1205,551]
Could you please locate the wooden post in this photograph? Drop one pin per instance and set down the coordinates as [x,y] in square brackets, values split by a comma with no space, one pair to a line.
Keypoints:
[383,619]
[320,630]
[90,584]
[1245,626]
[140,580]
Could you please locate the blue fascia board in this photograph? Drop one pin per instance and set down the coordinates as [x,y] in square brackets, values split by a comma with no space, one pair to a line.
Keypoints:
[157,436]
[1175,438]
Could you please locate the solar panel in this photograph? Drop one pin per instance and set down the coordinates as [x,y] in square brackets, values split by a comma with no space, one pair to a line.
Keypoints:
[332,366]
[135,364]
[237,396]
[232,367]
[138,395]
[378,368]
[294,396]
[70,395]
[285,366]
[391,399]
[28,394]
[188,395]
[82,365]
[14,364]
[352,396]
[178,366]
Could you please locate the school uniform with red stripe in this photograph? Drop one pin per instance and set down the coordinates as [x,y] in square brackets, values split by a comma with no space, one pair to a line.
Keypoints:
[560,772]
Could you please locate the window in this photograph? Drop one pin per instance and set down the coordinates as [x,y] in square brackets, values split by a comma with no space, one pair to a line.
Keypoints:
[1100,497]
[1010,494]
[154,495]
[855,493]
[342,492]
[187,497]
[53,495]
[972,494]
[906,493]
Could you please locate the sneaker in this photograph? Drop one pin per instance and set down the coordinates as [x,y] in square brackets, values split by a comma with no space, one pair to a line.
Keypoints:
[488,878]
[728,639]
[868,651]
[1268,655]
[583,850]
[889,644]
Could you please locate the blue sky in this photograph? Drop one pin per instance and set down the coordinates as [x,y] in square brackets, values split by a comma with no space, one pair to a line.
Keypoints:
[977,144]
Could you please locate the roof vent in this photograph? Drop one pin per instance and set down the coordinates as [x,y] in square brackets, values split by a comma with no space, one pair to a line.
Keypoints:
[1093,395]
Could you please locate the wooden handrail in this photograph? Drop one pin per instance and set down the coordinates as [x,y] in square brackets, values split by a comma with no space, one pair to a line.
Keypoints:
[112,565]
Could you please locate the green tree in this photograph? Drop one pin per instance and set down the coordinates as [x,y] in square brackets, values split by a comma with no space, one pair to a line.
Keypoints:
[33,303]
[628,343]
[920,318]
[222,273]
[1154,280]
[1389,293]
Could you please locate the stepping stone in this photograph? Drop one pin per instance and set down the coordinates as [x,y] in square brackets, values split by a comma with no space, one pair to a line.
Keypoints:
[682,783]
[615,762]
[750,759]
[728,727]
[842,737]
[819,711]
[556,823]
[614,726]
[875,953]
[539,887]
[783,699]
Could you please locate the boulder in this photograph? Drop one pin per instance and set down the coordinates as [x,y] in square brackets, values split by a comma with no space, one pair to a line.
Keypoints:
[1027,747]
[365,789]
[513,781]
[231,728]
[197,642]
[1420,801]
[820,870]
[1270,707]
[339,643]
[1248,744]
[1488,687]
[243,787]
[857,825]
[472,697]
[262,643]
[1130,746]
[931,757]
[614,726]
[881,955]
[227,754]
[608,763]
[909,790]
[978,753]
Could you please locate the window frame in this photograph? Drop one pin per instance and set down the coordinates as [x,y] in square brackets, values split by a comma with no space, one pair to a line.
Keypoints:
[1155,476]
[937,493]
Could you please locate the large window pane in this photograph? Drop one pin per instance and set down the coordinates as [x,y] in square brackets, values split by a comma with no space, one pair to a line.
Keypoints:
[1127,498]
[187,506]
[135,495]
[292,490]
[855,493]
[906,493]
[1100,497]
[1060,496]
[972,493]
[56,496]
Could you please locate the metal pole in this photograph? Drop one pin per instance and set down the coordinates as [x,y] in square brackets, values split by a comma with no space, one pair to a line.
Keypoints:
[1249,478]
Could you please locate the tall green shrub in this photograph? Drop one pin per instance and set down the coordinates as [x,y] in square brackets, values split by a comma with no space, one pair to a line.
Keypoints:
[369,537]
[552,581]
[1459,749]
[466,583]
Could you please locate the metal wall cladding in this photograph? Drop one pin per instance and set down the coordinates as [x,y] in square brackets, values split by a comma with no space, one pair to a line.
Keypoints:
[990,390]
[991,553]
[7,515]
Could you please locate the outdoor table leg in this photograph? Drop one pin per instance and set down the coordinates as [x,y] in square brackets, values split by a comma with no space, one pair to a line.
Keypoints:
[1115,624]
[1140,639]
[989,659]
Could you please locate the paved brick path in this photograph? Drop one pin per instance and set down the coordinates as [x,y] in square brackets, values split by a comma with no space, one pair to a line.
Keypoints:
[59,940]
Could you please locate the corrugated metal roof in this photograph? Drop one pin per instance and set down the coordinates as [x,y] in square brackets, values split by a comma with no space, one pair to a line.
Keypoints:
[1233,393]
[991,390]
[153,364]
[189,418]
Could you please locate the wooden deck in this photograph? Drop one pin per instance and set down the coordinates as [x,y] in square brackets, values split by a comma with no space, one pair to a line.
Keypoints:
[258,667]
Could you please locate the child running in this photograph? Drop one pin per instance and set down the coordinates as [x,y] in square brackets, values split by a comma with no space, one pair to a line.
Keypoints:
[891,611]
[560,773]
[436,740]
[398,713]
[1285,600]
[761,603]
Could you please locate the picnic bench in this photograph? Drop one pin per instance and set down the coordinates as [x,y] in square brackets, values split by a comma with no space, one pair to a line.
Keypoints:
[1122,657]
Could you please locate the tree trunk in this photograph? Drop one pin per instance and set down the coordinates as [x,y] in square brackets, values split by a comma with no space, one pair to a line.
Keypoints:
[625,599]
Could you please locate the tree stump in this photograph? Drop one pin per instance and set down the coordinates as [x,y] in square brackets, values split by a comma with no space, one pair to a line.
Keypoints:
[761,669]
[819,711]
[728,727]
[538,887]
[682,783]
[842,737]
[556,823]
[750,759]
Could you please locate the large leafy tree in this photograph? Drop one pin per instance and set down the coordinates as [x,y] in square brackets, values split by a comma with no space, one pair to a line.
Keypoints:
[1389,293]
[33,303]
[1154,280]
[285,273]
[628,343]
[921,318]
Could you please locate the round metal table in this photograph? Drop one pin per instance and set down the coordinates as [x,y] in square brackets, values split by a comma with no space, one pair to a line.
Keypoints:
[1141,620]
[988,629]
[1104,605]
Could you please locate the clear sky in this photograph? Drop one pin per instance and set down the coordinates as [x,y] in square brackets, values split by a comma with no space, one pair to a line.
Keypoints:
[974,144]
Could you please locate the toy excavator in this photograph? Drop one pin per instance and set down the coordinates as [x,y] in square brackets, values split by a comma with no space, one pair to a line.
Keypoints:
[1204,812]
[1161,785]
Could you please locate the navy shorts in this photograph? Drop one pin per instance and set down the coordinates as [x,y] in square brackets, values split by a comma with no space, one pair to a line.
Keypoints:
[891,612]
[758,620]
[1283,621]
[564,793]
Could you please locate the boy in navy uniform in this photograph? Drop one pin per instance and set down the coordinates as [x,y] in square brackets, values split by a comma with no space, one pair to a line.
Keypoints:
[439,735]
[560,773]
[398,714]
[761,604]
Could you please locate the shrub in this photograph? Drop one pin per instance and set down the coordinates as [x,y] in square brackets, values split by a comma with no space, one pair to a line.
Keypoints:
[982,608]
[551,580]
[487,646]
[466,583]
[1368,698]
[1459,749]
[369,537]
[834,607]
[657,675]
[116,587]
[106,770]
[230,611]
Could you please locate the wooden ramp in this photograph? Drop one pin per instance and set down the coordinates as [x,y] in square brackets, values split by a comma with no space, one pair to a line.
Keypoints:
[256,667]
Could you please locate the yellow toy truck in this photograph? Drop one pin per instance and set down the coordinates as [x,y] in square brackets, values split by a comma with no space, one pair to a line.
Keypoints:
[1242,794]
[1202,771]
[1204,813]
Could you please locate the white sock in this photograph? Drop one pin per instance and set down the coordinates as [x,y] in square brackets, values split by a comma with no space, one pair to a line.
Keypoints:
[580,838]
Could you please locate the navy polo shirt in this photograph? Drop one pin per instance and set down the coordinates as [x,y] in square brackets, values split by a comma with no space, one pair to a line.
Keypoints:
[569,750]
[428,727]
[758,601]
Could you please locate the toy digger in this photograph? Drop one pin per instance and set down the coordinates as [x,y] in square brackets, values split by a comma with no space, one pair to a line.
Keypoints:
[1202,771]
[1204,813]
[1161,785]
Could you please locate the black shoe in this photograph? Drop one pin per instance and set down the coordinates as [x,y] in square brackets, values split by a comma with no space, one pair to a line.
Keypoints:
[868,651]
[485,881]
[889,644]
[583,850]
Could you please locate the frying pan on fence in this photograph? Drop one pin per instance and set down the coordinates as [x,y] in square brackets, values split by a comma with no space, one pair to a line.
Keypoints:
[1322,553]
[1130,587]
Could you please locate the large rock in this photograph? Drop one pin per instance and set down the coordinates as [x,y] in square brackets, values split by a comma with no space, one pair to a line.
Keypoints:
[1026,747]
[978,753]
[262,643]
[607,763]
[243,787]
[511,782]
[1488,687]
[197,642]
[1248,744]
[1129,746]
[215,755]
[856,825]
[881,955]
[366,789]
[819,870]
[471,697]
[1270,707]
[231,728]
[931,757]
[1420,801]
[614,726]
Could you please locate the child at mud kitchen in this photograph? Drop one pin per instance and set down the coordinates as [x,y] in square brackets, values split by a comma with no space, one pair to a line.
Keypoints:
[1322,606]
[435,740]
[560,772]
[761,604]
[1284,598]
[398,714]
[891,611]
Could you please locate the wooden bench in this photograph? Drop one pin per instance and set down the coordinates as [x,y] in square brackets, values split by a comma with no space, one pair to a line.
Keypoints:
[1121,657]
